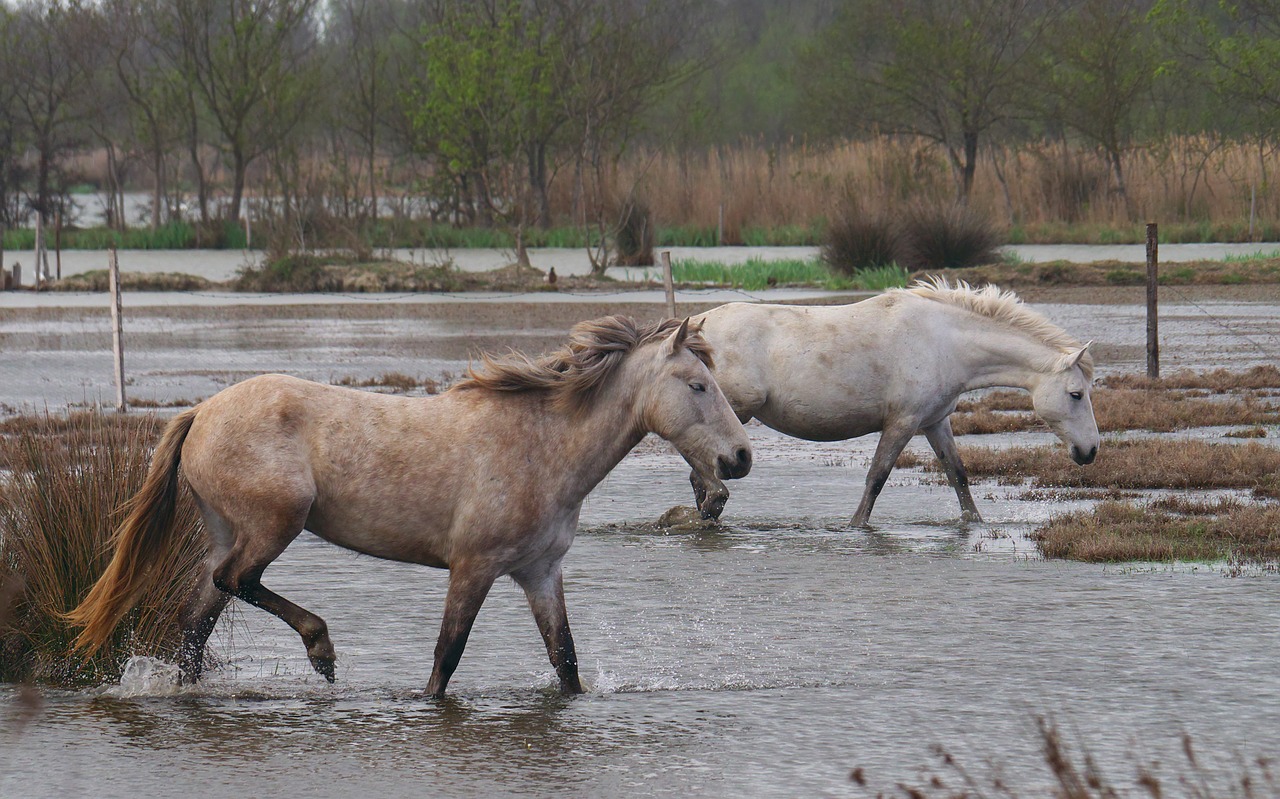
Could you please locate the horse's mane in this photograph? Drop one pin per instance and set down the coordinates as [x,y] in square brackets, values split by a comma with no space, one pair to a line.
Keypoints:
[1003,306]
[578,369]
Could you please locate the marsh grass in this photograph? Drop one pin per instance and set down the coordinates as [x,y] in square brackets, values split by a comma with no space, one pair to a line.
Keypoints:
[1171,528]
[1127,465]
[69,475]
[1072,772]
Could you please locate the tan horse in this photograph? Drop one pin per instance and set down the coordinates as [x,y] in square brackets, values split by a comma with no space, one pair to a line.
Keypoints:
[485,480]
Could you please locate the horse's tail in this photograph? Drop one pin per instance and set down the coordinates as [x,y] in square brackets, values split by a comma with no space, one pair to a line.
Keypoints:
[137,541]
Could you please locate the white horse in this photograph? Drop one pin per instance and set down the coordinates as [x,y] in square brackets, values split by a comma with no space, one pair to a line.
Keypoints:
[896,363]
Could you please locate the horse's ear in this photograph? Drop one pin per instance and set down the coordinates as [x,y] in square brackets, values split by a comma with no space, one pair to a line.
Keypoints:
[1075,359]
[676,340]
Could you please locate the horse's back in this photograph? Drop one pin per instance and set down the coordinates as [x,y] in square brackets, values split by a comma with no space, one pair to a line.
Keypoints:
[822,372]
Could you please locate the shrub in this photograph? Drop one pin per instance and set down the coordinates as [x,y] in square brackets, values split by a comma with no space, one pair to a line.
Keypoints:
[633,238]
[956,237]
[857,240]
[291,274]
[68,476]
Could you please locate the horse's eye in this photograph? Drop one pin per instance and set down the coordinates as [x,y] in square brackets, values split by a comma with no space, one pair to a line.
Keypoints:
[697,387]
[1077,395]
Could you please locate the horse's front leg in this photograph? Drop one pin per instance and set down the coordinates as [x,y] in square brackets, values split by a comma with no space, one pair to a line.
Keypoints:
[543,584]
[710,498]
[893,439]
[468,588]
[944,446]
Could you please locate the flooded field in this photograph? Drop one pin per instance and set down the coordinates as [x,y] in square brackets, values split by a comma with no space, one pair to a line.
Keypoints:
[767,658]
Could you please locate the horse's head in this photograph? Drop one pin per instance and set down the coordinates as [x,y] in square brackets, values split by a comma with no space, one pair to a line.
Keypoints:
[1061,399]
[681,402]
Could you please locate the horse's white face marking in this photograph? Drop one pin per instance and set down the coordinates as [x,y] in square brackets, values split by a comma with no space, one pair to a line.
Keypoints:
[1061,399]
[685,405]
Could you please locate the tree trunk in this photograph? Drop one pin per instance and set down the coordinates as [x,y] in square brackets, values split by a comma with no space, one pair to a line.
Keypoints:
[970,165]
[157,187]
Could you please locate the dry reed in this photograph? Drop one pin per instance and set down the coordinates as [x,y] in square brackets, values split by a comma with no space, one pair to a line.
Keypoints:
[68,476]
[1051,192]
[1073,773]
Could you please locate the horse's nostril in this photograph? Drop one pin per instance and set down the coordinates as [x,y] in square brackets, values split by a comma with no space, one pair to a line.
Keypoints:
[744,456]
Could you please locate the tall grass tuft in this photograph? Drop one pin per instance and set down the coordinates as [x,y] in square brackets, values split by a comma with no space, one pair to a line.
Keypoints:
[857,240]
[68,475]
[955,237]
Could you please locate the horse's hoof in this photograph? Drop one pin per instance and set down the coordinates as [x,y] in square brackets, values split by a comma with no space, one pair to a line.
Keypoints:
[324,667]
[971,517]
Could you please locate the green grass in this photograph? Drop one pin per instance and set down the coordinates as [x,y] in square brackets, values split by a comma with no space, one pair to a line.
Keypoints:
[1250,257]
[757,274]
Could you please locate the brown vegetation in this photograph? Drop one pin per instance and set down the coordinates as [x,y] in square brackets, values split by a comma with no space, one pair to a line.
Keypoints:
[1126,465]
[1219,381]
[1172,528]
[1118,410]
[396,383]
[69,475]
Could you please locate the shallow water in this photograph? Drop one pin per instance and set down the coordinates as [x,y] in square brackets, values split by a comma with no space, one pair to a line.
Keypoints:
[766,658]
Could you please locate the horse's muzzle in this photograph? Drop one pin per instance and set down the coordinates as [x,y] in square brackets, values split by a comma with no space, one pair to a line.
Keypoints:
[737,466]
[1083,458]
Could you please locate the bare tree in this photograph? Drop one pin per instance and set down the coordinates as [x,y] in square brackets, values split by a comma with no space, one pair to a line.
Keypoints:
[54,97]
[247,65]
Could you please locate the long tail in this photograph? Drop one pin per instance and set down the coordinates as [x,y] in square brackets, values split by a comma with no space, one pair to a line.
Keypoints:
[136,542]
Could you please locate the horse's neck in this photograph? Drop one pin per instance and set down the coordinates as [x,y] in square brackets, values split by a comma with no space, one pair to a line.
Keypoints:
[583,446]
[999,357]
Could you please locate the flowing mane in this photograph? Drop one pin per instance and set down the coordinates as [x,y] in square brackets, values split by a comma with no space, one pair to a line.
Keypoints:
[1002,306]
[575,371]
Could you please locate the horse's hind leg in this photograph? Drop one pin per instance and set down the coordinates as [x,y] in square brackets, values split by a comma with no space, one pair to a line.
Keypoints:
[241,576]
[201,609]
[468,588]
[197,619]
[544,586]
[944,446]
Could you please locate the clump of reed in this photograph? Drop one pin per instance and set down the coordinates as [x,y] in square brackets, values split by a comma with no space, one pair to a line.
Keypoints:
[857,239]
[1072,772]
[925,236]
[934,236]
[68,476]
[1171,528]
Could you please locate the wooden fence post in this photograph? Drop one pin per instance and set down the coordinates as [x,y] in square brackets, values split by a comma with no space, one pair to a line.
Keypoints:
[668,284]
[1153,339]
[117,333]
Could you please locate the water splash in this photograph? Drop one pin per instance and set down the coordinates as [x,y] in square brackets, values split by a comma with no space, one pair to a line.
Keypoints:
[146,676]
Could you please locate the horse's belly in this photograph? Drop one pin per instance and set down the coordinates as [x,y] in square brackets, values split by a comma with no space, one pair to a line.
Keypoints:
[390,539]
[815,424]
